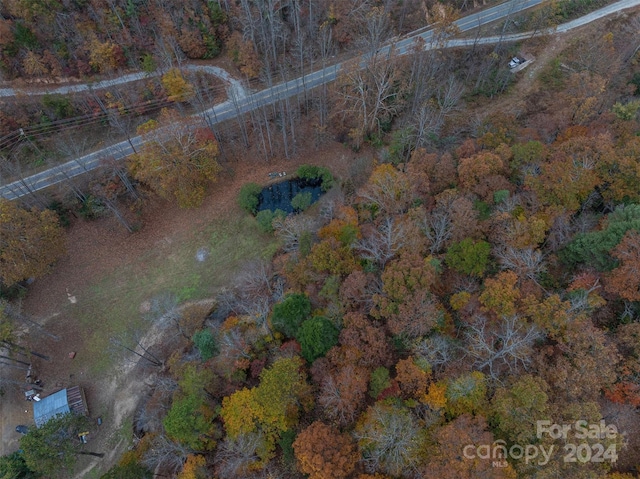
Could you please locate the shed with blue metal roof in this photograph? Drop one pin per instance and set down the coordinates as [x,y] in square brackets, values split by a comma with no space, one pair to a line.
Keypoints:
[59,403]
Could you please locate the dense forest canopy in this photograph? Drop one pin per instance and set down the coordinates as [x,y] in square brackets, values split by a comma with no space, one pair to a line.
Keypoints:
[62,38]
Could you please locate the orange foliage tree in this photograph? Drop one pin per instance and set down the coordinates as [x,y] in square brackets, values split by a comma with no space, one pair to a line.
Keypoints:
[412,378]
[324,453]
[343,389]
[501,294]
[30,242]
[406,301]
[366,339]
[448,460]
[625,279]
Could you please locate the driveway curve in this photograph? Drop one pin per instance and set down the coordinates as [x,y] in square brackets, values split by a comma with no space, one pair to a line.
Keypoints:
[233,84]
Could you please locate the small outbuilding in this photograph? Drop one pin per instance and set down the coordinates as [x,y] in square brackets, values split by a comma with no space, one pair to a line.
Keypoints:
[62,402]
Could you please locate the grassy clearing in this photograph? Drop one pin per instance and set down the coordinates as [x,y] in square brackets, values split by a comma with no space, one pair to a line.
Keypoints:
[112,305]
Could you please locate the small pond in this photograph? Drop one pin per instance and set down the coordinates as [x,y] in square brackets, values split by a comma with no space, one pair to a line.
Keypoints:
[279,195]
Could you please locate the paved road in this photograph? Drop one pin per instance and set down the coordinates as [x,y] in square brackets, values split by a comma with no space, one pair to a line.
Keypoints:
[131,77]
[240,103]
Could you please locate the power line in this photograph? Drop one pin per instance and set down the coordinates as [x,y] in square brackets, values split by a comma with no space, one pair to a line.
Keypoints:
[57,126]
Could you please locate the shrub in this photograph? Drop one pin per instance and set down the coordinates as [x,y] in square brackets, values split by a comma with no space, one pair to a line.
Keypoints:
[552,76]
[249,197]
[286,443]
[469,257]
[148,63]
[23,36]
[400,147]
[379,381]
[593,248]
[91,208]
[301,201]
[60,105]
[206,344]
[288,315]
[627,111]
[62,211]
[265,219]
[500,196]
[483,209]
[305,243]
[317,336]
[636,82]
[127,468]
[309,172]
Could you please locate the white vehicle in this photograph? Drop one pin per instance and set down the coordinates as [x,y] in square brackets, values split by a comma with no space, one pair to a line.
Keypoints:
[515,61]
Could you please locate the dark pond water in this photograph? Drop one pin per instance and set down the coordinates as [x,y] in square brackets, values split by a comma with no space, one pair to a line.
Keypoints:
[279,195]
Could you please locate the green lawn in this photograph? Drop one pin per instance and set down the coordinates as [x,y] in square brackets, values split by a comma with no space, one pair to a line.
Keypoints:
[112,305]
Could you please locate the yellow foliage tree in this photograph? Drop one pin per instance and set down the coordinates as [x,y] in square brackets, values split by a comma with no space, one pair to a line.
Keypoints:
[194,468]
[388,189]
[177,87]
[271,407]
[436,398]
[104,57]
[33,64]
[500,294]
[177,160]
[459,300]
[241,412]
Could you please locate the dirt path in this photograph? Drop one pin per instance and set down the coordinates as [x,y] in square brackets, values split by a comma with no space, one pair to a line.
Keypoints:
[125,390]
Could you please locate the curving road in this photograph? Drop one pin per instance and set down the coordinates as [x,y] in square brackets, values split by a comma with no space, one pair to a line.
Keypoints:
[239,102]
[234,84]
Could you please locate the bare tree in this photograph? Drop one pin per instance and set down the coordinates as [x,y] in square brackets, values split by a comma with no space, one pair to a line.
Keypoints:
[166,454]
[525,262]
[326,48]
[437,228]
[391,437]
[374,25]
[256,290]
[117,168]
[579,300]
[371,95]
[437,350]
[383,242]
[448,95]
[290,229]
[151,410]
[238,456]
[13,312]
[233,345]
[507,345]
[11,171]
